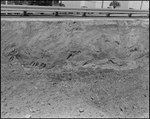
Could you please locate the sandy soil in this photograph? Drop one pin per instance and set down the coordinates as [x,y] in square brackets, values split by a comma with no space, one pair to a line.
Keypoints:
[94,68]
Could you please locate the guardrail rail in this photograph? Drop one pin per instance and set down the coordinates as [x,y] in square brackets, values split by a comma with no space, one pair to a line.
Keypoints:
[28,8]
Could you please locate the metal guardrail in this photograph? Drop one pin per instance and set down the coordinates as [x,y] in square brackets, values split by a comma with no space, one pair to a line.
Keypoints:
[28,8]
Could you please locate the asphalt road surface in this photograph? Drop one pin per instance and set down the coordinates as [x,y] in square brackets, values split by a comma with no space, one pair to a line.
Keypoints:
[66,17]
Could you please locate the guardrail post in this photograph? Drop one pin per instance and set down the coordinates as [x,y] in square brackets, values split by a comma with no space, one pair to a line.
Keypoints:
[55,13]
[84,14]
[129,15]
[24,13]
[108,15]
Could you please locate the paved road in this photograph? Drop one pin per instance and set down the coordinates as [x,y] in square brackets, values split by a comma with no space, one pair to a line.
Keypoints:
[52,18]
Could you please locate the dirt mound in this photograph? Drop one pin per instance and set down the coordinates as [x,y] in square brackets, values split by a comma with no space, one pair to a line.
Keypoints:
[48,44]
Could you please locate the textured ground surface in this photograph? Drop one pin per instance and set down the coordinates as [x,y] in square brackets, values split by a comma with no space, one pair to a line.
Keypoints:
[94,68]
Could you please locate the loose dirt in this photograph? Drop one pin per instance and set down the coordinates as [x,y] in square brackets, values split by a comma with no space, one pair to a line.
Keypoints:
[94,68]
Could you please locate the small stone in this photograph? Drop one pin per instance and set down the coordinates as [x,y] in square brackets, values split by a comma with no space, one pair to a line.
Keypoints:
[42,103]
[14,87]
[26,69]
[38,83]
[33,110]
[35,88]
[28,116]
[81,110]
[102,115]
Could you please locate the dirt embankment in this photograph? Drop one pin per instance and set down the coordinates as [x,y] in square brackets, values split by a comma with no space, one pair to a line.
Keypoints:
[105,64]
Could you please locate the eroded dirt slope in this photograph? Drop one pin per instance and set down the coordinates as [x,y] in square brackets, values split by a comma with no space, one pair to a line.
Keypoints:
[75,68]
